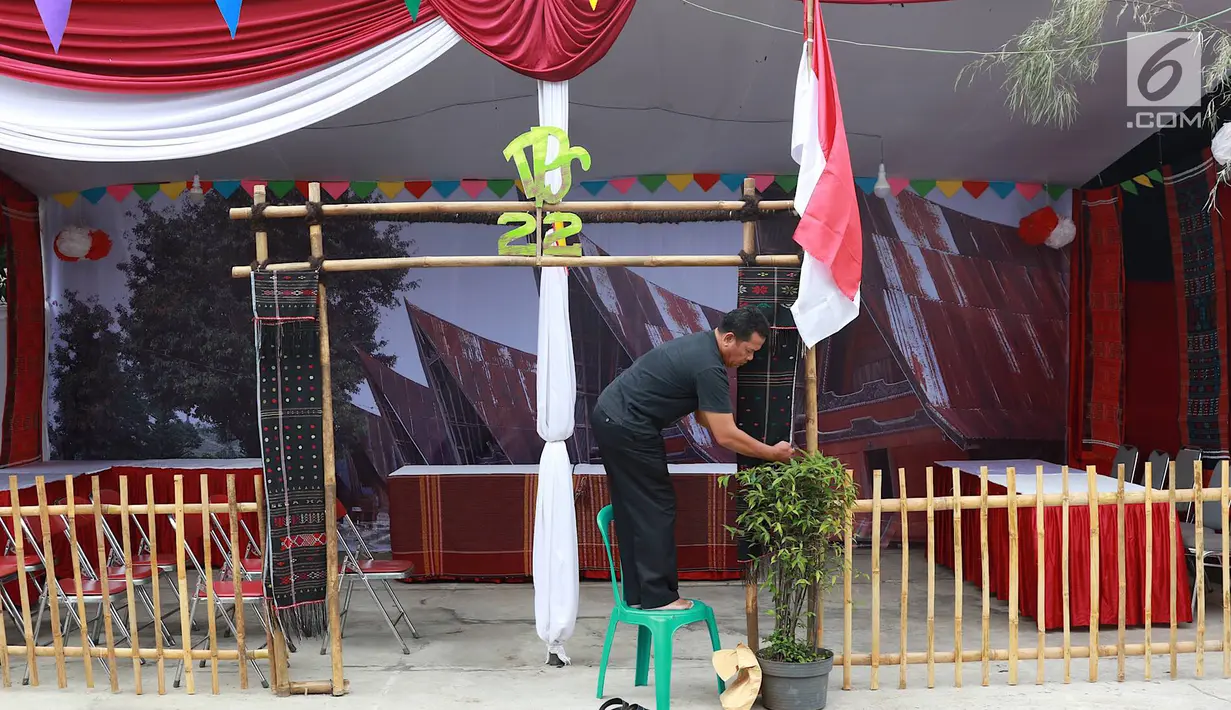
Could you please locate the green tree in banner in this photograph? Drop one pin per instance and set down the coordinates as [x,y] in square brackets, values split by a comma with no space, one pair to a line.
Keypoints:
[102,413]
[189,323]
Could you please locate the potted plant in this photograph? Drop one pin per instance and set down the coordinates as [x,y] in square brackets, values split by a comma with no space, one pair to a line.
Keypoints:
[793,519]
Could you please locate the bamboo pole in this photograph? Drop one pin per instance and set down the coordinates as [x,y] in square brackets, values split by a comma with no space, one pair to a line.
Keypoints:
[848,601]
[207,562]
[33,511]
[751,609]
[1199,565]
[958,581]
[1092,485]
[1121,575]
[422,262]
[53,600]
[181,579]
[261,237]
[1224,500]
[811,436]
[750,227]
[275,640]
[1031,653]
[679,209]
[104,582]
[1040,549]
[876,578]
[148,653]
[985,649]
[1064,574]
[905,602]
[1171,550]
[237,577]
[130,590]
[1149,563]
[155,587]
[1014,563]
[931,523]
[317,243]
[23,585]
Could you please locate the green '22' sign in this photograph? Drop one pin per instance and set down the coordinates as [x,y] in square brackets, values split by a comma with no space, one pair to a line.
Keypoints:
[533,174]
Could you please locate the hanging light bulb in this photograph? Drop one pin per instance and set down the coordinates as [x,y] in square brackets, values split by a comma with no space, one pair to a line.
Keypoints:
[195,193]
[882,189]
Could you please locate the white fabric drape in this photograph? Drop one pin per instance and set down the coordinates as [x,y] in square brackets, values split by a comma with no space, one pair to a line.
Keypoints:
[56,122]
[556,576]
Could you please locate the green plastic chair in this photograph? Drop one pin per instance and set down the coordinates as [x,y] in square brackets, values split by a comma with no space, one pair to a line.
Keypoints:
[654,627]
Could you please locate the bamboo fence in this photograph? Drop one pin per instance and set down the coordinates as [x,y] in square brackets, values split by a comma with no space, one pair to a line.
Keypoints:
[34,530]
[1017,649]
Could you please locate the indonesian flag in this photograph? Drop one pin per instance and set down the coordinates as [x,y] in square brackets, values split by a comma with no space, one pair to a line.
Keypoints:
[829,229]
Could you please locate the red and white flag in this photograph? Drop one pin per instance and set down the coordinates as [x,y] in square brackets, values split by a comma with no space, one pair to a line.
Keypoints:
[829,230]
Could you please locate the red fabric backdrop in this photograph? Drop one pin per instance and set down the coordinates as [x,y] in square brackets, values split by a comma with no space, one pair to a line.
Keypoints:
[27,324]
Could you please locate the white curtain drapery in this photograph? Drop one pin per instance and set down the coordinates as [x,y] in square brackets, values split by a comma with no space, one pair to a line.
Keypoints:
[88,126]
[556,576]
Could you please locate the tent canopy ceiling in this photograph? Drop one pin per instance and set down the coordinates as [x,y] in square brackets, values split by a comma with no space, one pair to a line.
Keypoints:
[685,90]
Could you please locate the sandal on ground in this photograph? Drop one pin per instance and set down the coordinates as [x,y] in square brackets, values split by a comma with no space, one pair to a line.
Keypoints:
[619,704]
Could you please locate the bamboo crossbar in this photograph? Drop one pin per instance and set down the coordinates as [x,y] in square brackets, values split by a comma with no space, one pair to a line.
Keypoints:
[148,654]
[1026,653]
[679,210]
[32,511]
[1025,500]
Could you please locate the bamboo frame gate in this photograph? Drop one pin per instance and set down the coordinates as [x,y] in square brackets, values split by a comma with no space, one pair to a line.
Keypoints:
[747,210]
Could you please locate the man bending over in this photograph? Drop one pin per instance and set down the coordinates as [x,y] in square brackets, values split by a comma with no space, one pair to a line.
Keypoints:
[681,376]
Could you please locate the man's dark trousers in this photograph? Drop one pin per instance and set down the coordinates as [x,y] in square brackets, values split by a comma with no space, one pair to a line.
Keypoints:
[643,501]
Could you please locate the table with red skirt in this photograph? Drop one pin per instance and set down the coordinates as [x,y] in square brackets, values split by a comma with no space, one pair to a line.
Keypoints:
[1164,551]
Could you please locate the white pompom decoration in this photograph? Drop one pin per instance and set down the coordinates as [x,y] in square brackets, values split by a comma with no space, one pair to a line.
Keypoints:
[1063,235]
[1221,147]
[73,243]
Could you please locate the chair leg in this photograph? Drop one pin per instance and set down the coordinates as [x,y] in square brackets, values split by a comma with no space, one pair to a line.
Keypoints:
[389,588]
[42,604]
[663,652]
[602,665]
[342,579]
[179,667]
[716,642]
[385,613]
[644,638]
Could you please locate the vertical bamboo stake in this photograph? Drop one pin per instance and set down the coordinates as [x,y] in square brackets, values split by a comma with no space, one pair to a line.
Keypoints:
[1040,545]
[1199,564]
[1122,583]
[985,653]
[1172,524]
[750,228]
[1067,642]
[317,243]
[279,670]
[23,585]
[957,578]
[876,579]
[262,239]
[750,609]
[53,600]
[1092,498]
[105,583]
[812,406]
[905,604]
[87,660]
[1014,562]
[1224,498]
[181,579]
[207,549]
[848,602]
[1149,566]
[126,543]
[152,525]
[237,577]
[931,518]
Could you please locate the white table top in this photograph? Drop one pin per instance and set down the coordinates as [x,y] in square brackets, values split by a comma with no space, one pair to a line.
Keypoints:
[1025,470]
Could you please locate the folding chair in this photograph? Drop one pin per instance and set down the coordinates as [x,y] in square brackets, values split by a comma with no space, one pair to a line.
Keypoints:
[251,593]
[1185,463]
[1211,543]
[1160,461]
[365,567]
[250,565]
[8,571]
[1126,456]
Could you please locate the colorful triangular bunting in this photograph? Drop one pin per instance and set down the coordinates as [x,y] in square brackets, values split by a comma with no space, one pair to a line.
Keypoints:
[1155,175]
[593,186]
[787,182]
[897,185]
[54,14]
[94,194]
[975,188]
[652,182]
[1143,180]
[418,188]
[446,187]
[1004,189]
[706,180]
[250,185]
[301,186]
[1129,186]
[623,185]
[500,188]
[335,189]
[119,192]
[363,189]
[1029,190]
[680,181]
[474,188]
[226,188]
[66,198]
[1055,191]
[413,6]
[866,184]
[282,188]
[732,181]
[763,182]
[230,13]
[948,188]
[390,188]
[922,187]
[147,190]
[173,189]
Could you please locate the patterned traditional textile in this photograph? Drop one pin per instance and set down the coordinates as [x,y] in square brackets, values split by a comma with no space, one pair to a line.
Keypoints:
[1096,332]
[288,364]
[21,284]
[766,387]
[1197,253]
[432,524]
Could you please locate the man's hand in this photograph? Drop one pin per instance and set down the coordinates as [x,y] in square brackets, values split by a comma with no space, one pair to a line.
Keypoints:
[782,452]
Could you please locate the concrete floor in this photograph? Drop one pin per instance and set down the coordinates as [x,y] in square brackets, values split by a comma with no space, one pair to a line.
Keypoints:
[479,649]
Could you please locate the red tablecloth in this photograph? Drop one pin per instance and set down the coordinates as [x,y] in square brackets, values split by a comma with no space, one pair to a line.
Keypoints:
[1079,559]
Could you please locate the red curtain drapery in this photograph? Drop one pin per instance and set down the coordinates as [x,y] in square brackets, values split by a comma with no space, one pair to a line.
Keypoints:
[166,46]
[552,40]
[25,360]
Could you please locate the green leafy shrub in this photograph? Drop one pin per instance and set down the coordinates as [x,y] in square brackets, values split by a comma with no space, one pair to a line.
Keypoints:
[794,517]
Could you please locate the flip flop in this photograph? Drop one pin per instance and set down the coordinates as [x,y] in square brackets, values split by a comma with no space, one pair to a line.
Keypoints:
[619,704]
